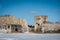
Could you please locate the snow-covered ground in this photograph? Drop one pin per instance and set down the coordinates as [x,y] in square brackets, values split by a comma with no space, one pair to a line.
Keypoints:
[3,31]
[27,36]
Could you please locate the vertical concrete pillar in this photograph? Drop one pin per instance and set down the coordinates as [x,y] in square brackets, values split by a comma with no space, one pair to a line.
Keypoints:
[10,29]
[7,28]
[43,29]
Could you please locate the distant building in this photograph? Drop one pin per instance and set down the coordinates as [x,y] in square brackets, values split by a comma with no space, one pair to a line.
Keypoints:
[13,24]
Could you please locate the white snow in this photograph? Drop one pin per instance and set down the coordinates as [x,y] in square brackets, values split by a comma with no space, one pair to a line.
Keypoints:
[3,31]
[27,36]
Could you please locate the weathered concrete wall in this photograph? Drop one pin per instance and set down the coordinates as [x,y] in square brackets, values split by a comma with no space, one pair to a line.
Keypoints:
[39,20]
[12,20]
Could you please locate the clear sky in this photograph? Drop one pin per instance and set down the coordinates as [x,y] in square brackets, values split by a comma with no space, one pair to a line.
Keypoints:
[29,8]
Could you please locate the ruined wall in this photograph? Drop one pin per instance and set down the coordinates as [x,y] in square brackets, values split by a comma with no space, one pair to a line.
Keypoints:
[42,23]
[39,20]
[12,20]
[57,26]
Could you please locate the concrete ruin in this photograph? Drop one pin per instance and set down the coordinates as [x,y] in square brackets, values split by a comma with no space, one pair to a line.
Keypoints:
[43,25]
[13,24]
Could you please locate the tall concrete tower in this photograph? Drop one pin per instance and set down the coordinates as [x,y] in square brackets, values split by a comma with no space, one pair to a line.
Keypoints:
[39,20]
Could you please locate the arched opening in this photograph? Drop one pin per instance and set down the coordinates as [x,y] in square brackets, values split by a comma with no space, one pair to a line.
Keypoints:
[16,29]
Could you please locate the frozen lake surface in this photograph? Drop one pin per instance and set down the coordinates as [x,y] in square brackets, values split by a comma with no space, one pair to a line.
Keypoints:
[26,36]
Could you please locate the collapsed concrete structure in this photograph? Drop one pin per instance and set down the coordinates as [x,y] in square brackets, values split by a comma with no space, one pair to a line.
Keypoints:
[16,25]
[43,25]
[13,24]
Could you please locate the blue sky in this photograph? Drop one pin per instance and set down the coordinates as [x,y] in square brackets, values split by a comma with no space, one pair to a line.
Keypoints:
[29,8]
